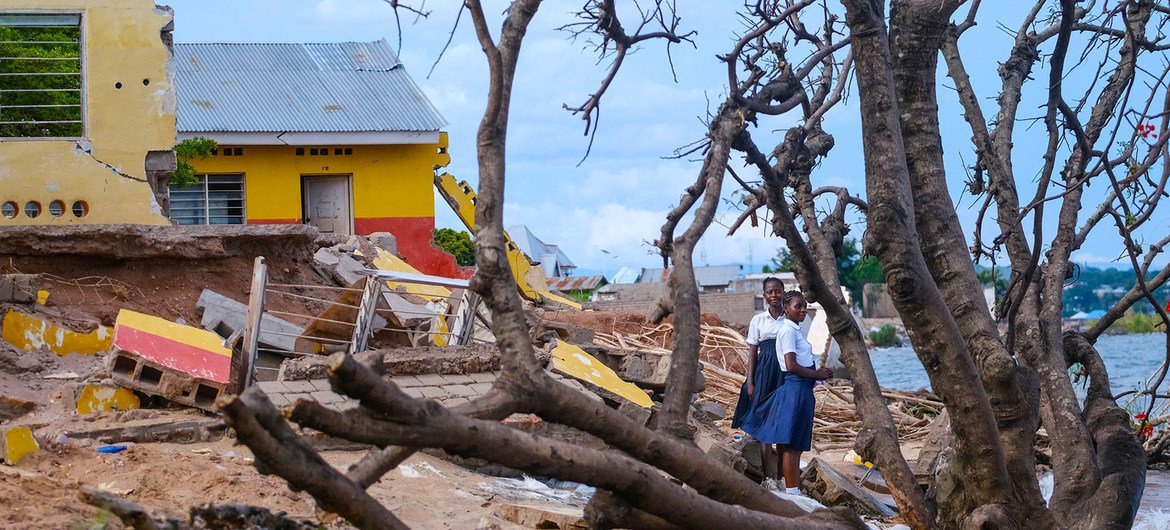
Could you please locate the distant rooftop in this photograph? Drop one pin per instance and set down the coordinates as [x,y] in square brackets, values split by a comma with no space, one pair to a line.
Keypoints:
[704,276]
[348,87]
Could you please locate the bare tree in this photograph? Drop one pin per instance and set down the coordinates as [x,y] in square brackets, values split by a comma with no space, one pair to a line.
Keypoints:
[799,56]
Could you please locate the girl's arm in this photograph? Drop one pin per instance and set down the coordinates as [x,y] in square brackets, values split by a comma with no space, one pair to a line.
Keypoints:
[819,374]
[753,353]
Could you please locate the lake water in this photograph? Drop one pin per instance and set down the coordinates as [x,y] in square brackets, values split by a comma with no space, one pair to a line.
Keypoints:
[1131,359]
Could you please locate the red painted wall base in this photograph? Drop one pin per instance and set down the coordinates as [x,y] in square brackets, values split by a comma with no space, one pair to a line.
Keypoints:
[416,236]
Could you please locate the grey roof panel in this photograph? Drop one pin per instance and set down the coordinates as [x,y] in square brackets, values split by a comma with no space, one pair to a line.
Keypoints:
[340,87]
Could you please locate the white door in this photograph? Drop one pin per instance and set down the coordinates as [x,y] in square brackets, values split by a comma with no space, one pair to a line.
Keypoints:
[327,204]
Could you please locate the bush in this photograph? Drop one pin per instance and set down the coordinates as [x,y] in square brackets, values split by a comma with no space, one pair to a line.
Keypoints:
[1134,323]
[885,337]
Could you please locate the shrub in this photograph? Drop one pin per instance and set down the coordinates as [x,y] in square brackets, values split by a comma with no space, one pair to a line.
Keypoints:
[885,337]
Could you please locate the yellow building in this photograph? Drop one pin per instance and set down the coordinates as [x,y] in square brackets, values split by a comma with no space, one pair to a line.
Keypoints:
[333,135]
[87,112]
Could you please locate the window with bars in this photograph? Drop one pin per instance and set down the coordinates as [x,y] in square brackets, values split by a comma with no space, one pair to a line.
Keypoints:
[40,76]
[214,200]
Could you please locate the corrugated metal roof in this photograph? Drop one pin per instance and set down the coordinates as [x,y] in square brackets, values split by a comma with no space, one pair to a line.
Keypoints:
[576,283]
[704,276]
[334,87]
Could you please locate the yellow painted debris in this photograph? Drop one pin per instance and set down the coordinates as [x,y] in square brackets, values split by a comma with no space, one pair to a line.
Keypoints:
[571,360]
[42,297]
[19,442]
[98,398]
[389,262]
[31,333]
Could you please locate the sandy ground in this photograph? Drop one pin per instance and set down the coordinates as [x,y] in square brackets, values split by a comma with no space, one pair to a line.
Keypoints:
[426,492]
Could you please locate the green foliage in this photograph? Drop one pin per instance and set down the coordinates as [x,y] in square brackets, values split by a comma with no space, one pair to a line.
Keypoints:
[51,92]
[1135,323]
[885,337]
[1099,288]
[457,243]
[196,148]
[853,269]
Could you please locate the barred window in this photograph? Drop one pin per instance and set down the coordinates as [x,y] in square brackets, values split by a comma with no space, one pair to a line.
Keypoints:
[214,200]
[40,76]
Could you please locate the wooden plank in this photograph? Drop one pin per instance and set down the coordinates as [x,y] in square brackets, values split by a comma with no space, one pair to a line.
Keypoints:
[252,324]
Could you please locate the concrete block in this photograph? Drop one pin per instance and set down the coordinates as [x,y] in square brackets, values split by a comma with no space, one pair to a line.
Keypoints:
[99,398]
[227,317]
[300,386]
[272,387]
[483,377]
[432,392]
[406,381]
[451,402]
[458,379]
[19,442]
[327,397]
[481,388]
[6,284]
[24,288]
[431,379]
[827,485]
[460,390]
[413,392]
[31,333]
[384,240]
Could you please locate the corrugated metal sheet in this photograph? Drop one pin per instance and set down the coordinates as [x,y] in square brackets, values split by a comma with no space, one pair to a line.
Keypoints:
[575,283]
[340,87]
[704,276]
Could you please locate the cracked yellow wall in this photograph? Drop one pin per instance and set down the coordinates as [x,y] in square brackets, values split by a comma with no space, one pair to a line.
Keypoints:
[121,43]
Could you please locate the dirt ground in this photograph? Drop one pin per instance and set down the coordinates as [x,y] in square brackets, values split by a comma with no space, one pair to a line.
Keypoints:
[42,491]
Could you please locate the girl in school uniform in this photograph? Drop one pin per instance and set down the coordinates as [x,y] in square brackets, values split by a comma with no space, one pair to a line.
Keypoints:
[763,372]
[786,419]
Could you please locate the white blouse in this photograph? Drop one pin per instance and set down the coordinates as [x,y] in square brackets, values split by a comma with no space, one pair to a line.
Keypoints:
[763,327]
[790,339]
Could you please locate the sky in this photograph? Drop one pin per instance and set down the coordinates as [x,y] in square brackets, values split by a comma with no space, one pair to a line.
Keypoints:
[617,198]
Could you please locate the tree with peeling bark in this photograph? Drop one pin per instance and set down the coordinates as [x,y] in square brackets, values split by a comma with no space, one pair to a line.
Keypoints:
[800,58]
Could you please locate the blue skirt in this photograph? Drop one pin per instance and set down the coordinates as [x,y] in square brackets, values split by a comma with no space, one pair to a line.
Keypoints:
[785,417]
[767,378]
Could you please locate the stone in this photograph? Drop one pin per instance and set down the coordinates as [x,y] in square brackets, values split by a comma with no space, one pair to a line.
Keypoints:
[709,411]
[12,408]
[543,516]
[227,317]
[384,240]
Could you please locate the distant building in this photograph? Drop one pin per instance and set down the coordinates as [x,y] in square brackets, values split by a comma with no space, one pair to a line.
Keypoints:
[578,287]
[554,262]
[626,275]
[333,135]
[712,279]
[88,118]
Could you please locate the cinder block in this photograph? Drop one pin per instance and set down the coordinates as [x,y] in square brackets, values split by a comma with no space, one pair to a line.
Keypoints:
[132,371]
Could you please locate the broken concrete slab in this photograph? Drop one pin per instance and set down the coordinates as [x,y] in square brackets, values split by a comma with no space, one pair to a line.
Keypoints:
[91,399]
[124,241]
[157,357]
[227,317]
[30,333]
[158,430]
[12,408]
[385,241]
[470,359]
[19,442]
[824,483]
[543,516]
[19,288]
[571,360]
